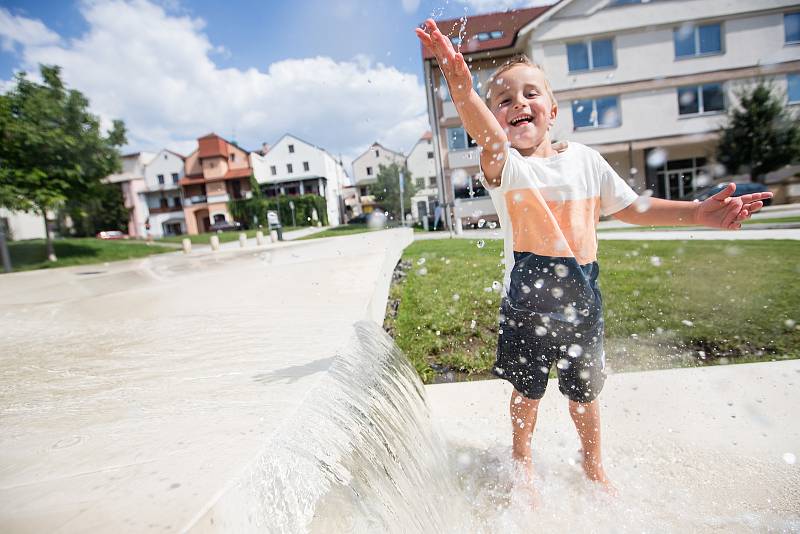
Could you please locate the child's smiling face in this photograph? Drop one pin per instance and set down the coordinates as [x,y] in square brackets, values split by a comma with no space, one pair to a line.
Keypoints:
[521,102]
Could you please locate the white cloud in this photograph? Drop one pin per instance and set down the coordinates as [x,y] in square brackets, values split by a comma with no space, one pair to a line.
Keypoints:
[155,71]
[488,6]
[22,30]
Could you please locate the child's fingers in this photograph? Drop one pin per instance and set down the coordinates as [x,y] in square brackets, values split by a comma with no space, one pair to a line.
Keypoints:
[754,206]
[734,207]
[726,192]
[744,214]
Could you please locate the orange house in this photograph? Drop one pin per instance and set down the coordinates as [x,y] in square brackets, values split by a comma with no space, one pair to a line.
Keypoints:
[217,172]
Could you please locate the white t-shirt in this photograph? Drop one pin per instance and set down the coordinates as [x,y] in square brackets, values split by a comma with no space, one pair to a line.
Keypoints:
[549,209]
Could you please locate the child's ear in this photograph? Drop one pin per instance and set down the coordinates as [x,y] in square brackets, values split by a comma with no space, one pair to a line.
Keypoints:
[553,114]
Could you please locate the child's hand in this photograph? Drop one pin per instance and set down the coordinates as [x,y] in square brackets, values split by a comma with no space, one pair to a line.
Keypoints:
[724,211]
[452,63]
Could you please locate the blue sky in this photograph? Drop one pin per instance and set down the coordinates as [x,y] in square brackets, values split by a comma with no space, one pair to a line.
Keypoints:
[340,73]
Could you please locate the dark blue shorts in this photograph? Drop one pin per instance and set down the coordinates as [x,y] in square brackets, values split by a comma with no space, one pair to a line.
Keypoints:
[530,344]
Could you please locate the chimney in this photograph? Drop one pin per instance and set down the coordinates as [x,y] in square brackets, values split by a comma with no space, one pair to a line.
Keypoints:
[264,149]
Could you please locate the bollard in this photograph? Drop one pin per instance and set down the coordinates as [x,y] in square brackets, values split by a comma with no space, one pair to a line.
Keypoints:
[425,223]
[259,238]
[459,226]
[187,245]
[273,236]
[242,239]
[214,243]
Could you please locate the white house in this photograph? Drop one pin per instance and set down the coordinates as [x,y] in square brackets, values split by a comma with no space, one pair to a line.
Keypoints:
[365,171]
[295,167]
[161,196]
[21,225]
[132,182]
[646,83]
[421,165]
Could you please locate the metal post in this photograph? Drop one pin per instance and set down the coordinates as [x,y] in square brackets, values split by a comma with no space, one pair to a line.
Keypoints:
[4,248]
[402,194]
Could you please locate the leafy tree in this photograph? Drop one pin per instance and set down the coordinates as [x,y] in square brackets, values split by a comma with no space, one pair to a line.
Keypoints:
[761,134]
[51,146]
[104,209]
[387,189]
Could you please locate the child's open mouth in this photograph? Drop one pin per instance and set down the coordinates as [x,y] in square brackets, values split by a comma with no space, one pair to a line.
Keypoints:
[521,120]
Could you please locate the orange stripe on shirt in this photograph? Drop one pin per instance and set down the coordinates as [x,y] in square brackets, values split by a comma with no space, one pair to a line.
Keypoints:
[563,228]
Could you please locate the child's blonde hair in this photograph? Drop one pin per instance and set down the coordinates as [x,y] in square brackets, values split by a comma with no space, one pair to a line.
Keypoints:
[520,59]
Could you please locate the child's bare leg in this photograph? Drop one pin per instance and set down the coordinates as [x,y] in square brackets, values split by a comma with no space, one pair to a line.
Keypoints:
[523,420]
[586,417]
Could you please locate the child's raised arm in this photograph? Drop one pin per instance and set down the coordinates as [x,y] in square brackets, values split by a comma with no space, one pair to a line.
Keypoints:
[479,122]
[719,211]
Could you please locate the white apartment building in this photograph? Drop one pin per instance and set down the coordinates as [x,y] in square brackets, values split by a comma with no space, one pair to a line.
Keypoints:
[421,165]
[295,167]
[131,180]
[646,83]
[161,196]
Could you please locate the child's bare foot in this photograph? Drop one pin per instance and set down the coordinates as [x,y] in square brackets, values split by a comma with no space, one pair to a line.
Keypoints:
[524,487]
[595,472]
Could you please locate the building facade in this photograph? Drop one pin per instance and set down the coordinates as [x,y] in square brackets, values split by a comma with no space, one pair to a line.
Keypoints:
[365,171]
[162,195]
[646,83]
[217,172]
[421,165]
[295,167]
[132,183]
[21,225]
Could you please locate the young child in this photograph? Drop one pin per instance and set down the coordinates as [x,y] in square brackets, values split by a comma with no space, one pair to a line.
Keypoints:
[549,204]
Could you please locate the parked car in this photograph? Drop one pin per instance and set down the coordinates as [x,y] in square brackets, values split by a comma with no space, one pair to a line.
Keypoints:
[112,234]
[744,188]
[225,226]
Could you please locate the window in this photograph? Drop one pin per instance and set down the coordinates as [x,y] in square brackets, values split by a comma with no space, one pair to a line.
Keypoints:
[163,202]
[161,179]
[791,27]
[289,168]
[590,55]
[364,191]
[305,166]
[485,36]
[596,113]
[174,177]
[497,34]
[421,182]
[470,188]
[691,41]
[291,149]
[369,171]
[793,88]
[432,181]
[456,139]
[700,99]
[430,155]
[232,156]
[176,201]
[273,170]
[678,178]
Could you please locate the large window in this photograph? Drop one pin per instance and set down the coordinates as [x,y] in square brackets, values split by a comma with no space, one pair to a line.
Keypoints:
[696,99]
[457,139]
[589,55]
[174,177]
[678,178]
[160,179]
[791,27]
[793,88]
[691,41]
[596,113]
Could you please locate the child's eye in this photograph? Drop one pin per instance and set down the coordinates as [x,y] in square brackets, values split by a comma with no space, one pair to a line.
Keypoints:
[533,94]
[504,102]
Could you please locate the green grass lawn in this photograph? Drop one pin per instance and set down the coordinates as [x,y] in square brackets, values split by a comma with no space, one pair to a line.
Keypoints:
[31,254]
[771,220]
[698,303]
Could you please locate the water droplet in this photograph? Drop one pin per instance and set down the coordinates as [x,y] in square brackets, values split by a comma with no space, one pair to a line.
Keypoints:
[789,458]
[575,351]
[655,261]
[538,284]
[580,408]
[492,225]
[634,170]
[456,296]
[790,323]
[497,286]
[517,399]
[499,370]
[544,369]
[481,243]
[517,197]
[540,331]
[557,292]
[422,272]
[421,261]
[562,271]
[687,322]
[642,203]
[472,324]
[526,289]
[562,364]
[657,158]
[481,222]
[584,374]
[522,359]
[464,459]
[438,332]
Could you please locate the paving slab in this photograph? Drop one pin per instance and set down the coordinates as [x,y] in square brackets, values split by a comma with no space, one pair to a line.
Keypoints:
[697,450]
[133,395]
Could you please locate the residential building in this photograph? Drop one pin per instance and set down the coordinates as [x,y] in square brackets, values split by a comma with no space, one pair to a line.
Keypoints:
[294,167]
[646,83]
[421,165]
[486,41]
[217,172]
[132,183]
[20,225]
[366,168]
[162,194]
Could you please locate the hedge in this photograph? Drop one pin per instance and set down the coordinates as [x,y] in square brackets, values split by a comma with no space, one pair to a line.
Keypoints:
[248,211]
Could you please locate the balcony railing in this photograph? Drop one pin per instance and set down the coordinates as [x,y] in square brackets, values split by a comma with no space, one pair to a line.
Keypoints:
[197,199]
[459,159]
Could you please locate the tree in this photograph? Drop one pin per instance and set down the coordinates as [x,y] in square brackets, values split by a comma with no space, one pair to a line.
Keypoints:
[51,147]
[387,189]
[761,134]
[104,209]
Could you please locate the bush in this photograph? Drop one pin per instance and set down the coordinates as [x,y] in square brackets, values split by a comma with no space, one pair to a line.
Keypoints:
[249,210]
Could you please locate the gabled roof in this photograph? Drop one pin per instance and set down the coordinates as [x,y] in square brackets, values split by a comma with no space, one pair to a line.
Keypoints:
[508,22]
[377,144]
[281,138]
[214,146]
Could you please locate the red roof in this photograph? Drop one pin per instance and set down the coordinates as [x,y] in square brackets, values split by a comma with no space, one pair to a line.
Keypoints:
[426,136]
[507,22]
[212,146]
[238,173]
